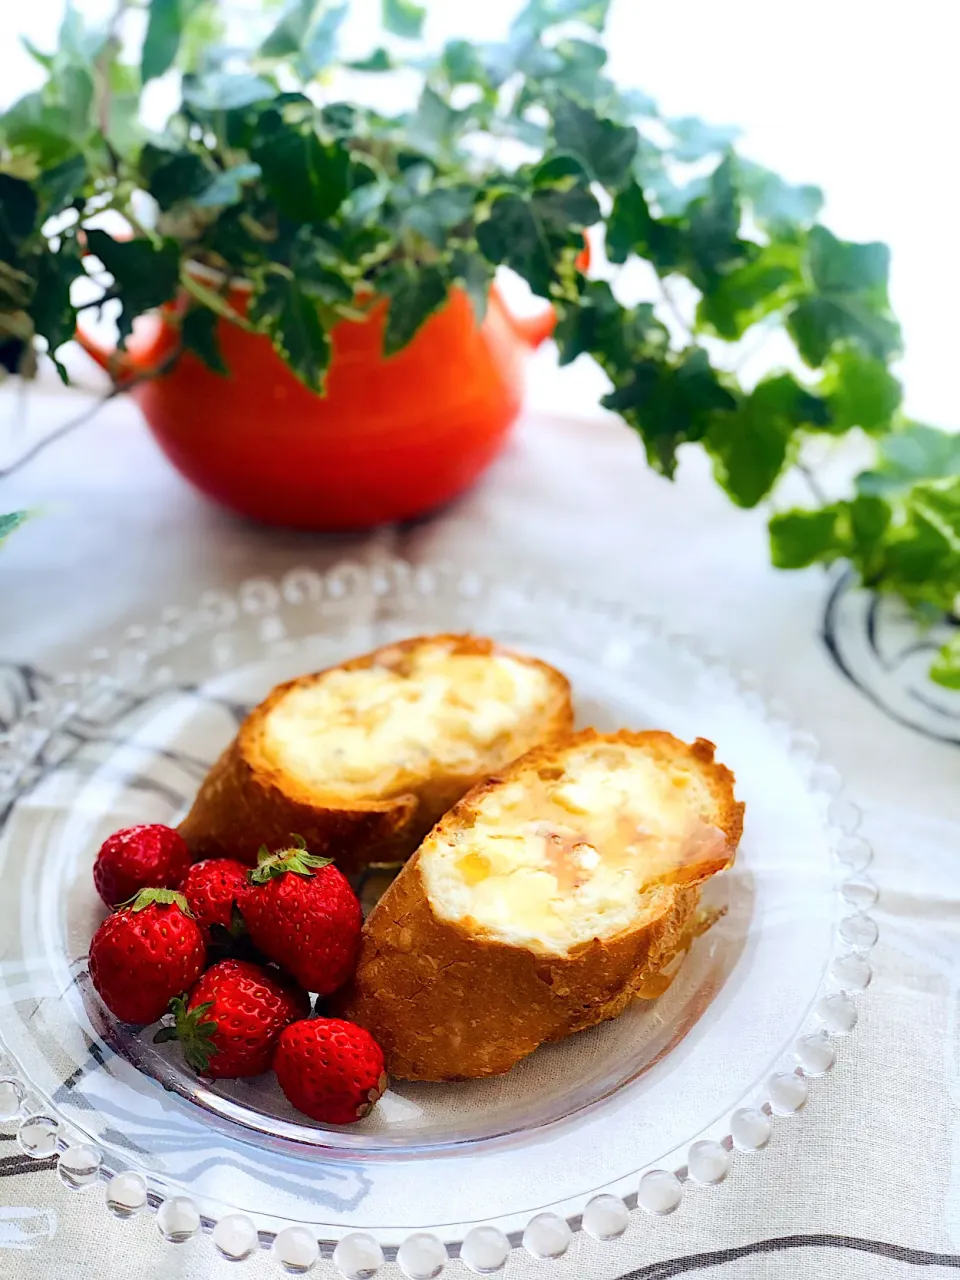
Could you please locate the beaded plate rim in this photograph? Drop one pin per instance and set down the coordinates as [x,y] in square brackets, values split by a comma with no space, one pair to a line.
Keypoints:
[484,1249]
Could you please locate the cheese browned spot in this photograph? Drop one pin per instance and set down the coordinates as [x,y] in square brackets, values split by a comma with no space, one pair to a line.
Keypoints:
[377,731]
[577,852]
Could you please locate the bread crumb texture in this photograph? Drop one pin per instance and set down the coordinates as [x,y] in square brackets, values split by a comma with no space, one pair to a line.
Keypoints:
[377,731]
[581,845]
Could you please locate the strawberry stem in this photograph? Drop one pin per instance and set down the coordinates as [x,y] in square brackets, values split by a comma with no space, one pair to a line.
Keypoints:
[295,859]
[194,1030]
[162,897]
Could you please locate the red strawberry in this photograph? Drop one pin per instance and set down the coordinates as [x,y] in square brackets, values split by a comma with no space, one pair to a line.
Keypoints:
[215,890]
[330,1070]
[148,857]
[231,1023]
[302,913]
[145,954]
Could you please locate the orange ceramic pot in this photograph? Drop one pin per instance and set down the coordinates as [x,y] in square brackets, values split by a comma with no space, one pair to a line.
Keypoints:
[392,438]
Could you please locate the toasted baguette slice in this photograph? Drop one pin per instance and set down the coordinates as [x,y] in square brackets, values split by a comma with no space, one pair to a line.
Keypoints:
[543,903]
[362,759]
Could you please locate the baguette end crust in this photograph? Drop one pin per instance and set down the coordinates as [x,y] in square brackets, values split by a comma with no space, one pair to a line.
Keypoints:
[448,999]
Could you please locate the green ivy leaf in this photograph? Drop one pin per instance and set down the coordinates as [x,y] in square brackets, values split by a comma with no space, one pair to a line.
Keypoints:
[75,85]
[377,61]
[713,246]
[634,102]
[77,43]
[559,170]
[62,185]
[199,334]
[53,315]
[695,140]
[565,212]
[529,234]
[604,148]
[869,519]
[572,68]
[12,520]
[475,274]
[750,292]
[631,228]
[672,198]
[841,266]
[751,445]
[19,208]
[670,403]
[614,335]
[340,120]
[291,318]
[320,47]
[801,538]
[784,396]
[288,35]
[41,128]
[922,560]
[861,391]
[581,62]
[318,270]
[498,59]
[306,178]
[203,35]
[946,667]
[162,40]
[433,125]
[227,187]
[777,206]
[436,214]
[910,545]
[16,290]
[538,16]
[224,91]
[938,503]
[146,274]
[848,303]
[45,60]
[403,18]
[461,63]
[125,132]
[511,236]
[17,355]
[819,324]
[916,452]
[173,176]
[414,293]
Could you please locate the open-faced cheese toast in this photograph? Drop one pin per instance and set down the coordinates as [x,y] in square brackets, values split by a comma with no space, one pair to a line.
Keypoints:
[543,903]
[362,759]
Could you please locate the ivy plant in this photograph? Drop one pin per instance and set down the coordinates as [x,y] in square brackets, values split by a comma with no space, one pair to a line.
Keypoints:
[511,153]
[12,520]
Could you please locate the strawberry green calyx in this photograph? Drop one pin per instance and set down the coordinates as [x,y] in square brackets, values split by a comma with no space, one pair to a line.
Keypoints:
[194,1030]
[160,897]
[296,859]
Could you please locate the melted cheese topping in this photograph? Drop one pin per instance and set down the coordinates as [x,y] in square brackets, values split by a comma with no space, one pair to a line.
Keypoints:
[582,850]
[378,731]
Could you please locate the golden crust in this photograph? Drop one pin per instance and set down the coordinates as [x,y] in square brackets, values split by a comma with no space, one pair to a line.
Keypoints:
[245,801]
[447,1003]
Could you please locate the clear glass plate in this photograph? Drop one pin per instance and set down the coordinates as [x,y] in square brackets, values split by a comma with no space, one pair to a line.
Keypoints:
[129,740]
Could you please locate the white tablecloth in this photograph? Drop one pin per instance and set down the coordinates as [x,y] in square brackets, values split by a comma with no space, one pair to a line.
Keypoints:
[865,1183]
